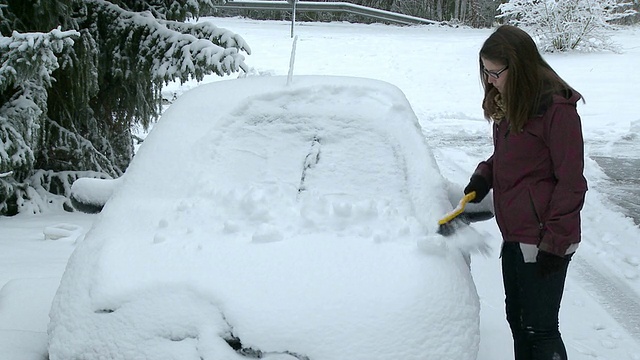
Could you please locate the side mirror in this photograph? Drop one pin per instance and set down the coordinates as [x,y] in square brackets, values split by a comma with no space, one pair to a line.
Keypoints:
[89,195]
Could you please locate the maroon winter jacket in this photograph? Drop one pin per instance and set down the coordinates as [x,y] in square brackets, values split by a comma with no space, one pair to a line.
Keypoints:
[537,178]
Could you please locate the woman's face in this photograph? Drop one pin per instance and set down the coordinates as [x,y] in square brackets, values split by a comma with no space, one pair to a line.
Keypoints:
[496,73]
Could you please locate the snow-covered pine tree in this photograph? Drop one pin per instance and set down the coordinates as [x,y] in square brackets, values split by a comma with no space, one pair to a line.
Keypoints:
[76,75]
[563,25]
[27,61]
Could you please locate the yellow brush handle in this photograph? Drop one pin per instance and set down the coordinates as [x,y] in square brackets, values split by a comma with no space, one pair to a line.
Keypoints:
[459,209]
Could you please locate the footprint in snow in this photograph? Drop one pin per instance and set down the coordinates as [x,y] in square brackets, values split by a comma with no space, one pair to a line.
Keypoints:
[62,232]
[632,260]
[267,234]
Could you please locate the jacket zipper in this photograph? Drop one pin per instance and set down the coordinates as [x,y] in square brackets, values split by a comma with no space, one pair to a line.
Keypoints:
[535,213]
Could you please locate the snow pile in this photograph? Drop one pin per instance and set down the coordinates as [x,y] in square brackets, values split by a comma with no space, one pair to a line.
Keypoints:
[281,223]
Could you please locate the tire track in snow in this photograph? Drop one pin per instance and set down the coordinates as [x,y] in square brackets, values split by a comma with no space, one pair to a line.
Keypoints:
[617,299]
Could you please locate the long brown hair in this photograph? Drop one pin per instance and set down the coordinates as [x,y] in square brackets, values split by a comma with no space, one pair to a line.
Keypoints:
[530,82]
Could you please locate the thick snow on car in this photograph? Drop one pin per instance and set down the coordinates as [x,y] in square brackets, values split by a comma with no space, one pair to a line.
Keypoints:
[267,219]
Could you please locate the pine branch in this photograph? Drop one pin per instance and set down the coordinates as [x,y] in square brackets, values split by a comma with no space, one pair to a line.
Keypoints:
[206,30]
[72,140]
[31,56]
[27,62]
[169,9]
[15,153]
[168,50]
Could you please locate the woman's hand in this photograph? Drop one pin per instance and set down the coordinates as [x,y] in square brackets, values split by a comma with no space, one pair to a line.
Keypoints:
[549,263]
[479,185]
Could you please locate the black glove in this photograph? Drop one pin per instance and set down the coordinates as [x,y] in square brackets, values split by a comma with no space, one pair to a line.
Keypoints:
[549,263]
[479,185]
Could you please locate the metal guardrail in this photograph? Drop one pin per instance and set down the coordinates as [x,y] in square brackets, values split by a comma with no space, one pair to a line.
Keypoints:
[316,6]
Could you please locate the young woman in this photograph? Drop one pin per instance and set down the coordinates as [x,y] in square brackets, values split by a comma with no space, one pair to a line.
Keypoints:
[536,173]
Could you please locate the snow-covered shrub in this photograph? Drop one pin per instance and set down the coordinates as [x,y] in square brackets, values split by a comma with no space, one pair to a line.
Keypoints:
[564,25]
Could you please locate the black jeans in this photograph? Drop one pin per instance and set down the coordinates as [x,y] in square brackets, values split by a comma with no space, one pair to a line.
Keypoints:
[532,306]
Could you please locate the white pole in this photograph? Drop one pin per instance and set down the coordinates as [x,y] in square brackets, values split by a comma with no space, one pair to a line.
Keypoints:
[293,14]
[292,60]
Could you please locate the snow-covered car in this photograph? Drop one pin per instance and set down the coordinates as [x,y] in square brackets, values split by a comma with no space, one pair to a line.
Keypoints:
[268,219]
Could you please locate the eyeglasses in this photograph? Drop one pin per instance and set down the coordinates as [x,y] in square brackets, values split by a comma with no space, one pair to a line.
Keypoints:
[494,74]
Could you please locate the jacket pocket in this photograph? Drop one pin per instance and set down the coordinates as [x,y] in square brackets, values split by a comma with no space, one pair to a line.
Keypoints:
[537,216]
[539,200]
[517,215]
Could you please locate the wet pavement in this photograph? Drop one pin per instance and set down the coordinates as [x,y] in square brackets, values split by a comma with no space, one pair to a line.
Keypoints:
[620,161]
[624,186]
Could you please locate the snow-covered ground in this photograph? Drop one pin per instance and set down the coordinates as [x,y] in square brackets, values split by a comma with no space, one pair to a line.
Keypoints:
[436,68]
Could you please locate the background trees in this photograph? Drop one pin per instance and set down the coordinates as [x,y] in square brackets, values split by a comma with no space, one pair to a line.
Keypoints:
[477,13]
[76,75]
[568,24]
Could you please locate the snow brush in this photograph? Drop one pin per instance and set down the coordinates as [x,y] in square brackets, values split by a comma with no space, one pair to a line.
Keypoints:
[456,222]
[451,221]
